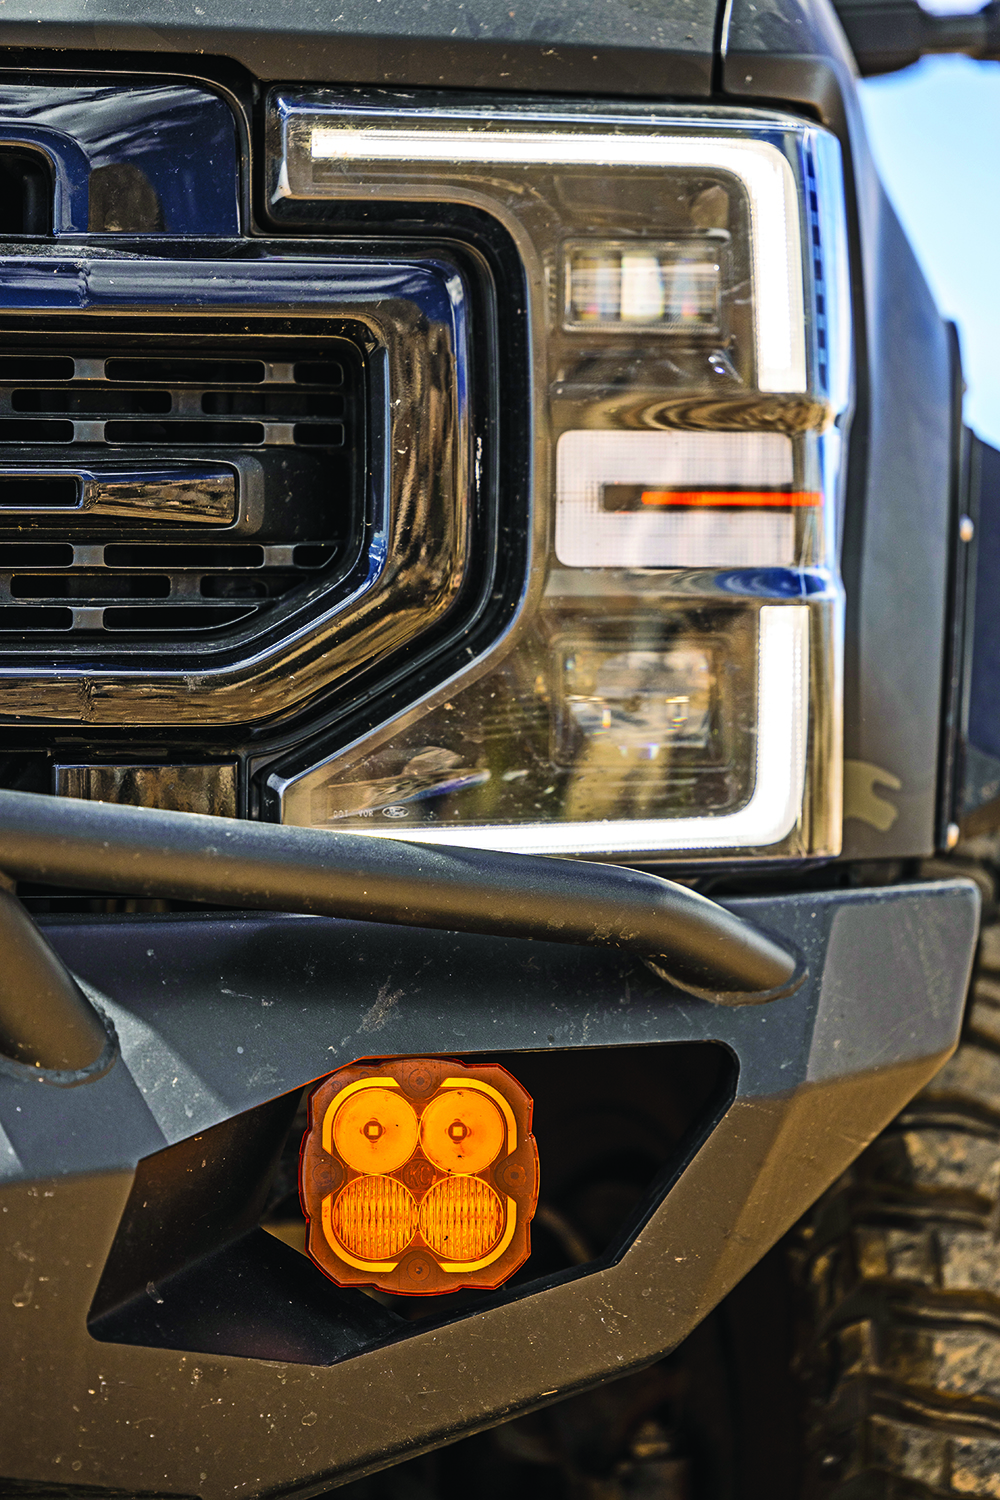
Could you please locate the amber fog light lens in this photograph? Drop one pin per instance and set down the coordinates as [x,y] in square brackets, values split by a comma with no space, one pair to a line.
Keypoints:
[461,1218]
[419,1175]
[374,1217]
[375,1131]
[461,1131]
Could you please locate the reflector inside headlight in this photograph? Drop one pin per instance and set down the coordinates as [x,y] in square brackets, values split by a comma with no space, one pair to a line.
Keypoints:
[672,686]
[595,740]
[672,288]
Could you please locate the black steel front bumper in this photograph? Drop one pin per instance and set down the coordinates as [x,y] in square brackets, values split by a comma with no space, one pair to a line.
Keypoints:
[217,1015]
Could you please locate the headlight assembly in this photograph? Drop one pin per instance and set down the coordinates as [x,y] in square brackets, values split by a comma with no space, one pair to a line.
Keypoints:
[671,687]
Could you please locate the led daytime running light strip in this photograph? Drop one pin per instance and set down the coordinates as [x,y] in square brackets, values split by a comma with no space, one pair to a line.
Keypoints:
[760,166]
[768,817]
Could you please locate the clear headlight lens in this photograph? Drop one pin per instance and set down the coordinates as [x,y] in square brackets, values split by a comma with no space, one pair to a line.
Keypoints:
[672,685]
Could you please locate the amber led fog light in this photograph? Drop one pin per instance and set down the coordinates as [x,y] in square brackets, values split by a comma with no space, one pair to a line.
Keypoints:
[419,1176]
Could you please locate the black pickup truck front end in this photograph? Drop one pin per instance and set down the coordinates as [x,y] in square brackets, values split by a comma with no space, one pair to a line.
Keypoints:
[492,576]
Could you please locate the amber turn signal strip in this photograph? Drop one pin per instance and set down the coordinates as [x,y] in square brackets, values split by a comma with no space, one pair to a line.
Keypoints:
[725,499]
[419,1175]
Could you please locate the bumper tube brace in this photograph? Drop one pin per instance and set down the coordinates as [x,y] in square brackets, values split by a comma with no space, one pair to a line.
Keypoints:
[696,944]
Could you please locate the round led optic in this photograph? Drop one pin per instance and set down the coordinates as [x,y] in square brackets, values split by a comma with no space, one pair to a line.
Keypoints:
[374,1217]
[461,1131]
[461,1218]
[375,1130]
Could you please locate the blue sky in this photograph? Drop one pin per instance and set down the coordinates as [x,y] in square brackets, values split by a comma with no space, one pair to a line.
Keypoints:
[935,134]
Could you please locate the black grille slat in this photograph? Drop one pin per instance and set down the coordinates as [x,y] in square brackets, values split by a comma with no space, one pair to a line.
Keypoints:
[37,617]
[91,401]
[275,404]
[186,371]
[308,555]
[34,490]
[161,617]
[89,586]
[323,434]
[235,586]
[179,431]
[40,367]
[318,372]
[36,555]
[83,572]
[35,430]
[163,555]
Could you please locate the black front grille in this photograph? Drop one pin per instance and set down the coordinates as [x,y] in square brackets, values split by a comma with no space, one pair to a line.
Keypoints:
[280,420]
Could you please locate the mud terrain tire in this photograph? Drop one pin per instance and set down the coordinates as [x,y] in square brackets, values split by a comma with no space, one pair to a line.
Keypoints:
[899,1267]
